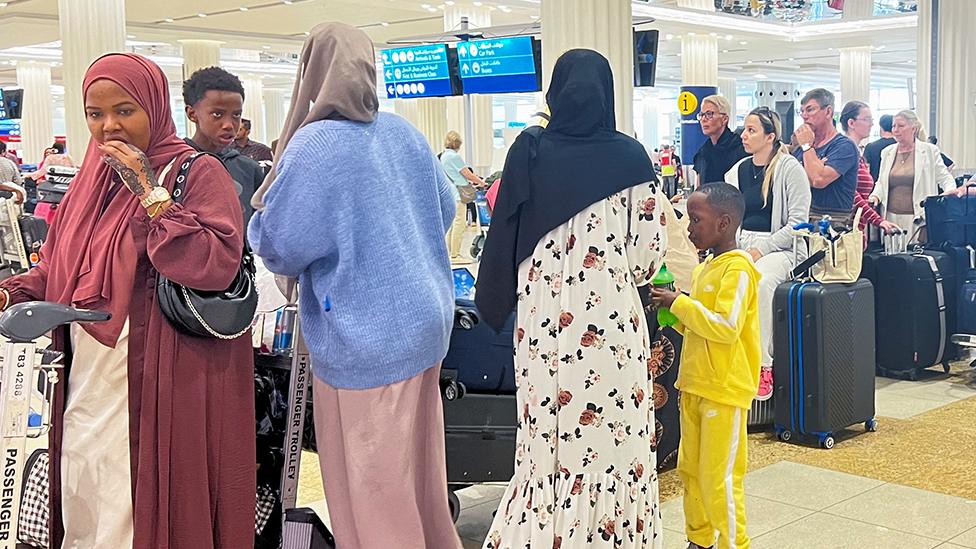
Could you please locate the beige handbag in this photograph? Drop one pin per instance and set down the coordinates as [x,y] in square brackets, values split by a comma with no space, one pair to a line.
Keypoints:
[681,255]
[841,258]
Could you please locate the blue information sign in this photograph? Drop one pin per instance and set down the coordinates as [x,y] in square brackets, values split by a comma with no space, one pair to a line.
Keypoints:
[421,71]
[498,66]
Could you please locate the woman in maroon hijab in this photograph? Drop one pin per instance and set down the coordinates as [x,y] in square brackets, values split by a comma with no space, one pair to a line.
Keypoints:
[153,446]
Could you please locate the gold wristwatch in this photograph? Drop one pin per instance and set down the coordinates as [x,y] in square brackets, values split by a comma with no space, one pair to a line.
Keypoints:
[155,196]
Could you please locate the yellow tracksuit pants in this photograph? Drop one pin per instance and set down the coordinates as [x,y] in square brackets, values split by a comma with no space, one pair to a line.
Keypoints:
[712,462]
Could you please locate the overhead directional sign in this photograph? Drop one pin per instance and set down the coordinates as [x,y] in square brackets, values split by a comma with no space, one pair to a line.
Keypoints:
[421,71]
[498,66]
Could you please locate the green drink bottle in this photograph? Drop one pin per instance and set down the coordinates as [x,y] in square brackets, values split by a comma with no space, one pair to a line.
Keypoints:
[664,279]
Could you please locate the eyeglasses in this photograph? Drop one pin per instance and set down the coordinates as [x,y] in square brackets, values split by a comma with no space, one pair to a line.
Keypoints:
[708,115]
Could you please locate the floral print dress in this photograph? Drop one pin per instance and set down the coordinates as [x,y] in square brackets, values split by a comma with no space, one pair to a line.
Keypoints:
[585,455]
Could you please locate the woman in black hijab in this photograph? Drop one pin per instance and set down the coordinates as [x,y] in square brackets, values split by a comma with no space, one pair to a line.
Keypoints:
[576,229]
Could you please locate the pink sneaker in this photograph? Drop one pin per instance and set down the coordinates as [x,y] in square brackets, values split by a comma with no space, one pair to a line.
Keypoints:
[765,384]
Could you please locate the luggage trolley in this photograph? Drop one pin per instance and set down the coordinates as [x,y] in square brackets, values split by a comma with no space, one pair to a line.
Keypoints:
[21,326]
[302,528]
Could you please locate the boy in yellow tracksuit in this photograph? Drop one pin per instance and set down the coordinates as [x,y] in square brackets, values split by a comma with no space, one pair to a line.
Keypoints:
[719,372]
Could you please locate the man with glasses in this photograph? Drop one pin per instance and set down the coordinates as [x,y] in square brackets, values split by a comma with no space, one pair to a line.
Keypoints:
[723,148]
[829,158]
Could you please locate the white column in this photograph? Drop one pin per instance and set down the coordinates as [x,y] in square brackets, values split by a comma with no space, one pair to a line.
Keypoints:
[253,108]
[855,74]
[726,87]
[37,124]
[652,134]
[83,39]
[954,112]
[858,9]
[479,153]
[199,54]
[602,25]
[428,115]
[699,60]
[703,5]
[274,113]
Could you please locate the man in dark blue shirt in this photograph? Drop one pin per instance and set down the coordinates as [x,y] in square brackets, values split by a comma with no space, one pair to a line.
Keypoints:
[829,158]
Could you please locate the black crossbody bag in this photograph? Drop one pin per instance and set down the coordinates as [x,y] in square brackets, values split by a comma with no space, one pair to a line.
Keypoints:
[222,315]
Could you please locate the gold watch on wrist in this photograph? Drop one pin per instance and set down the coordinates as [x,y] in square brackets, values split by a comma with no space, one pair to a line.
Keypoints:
[155,196]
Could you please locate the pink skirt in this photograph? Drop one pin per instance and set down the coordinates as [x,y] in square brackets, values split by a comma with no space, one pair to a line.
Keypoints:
[381,452]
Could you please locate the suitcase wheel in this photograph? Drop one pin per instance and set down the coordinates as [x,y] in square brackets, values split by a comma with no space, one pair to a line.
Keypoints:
[827,442]
[454,391]
[871,425]
[455,504]
[945,367]
[785,436]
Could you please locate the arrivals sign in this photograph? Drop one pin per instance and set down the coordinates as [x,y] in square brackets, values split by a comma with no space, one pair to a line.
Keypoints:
[421,71]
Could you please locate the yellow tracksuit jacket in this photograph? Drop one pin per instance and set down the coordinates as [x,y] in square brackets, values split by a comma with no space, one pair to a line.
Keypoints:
[718,376]
[720,324]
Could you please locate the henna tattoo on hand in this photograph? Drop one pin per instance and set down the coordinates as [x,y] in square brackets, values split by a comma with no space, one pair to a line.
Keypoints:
[128,175]
[140,179]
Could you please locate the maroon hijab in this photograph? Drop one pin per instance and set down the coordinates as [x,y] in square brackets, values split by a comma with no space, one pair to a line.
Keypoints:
[94,264]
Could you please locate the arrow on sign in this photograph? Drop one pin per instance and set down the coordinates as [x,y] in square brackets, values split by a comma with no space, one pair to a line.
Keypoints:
[391,90]
[389,74]
[465,69]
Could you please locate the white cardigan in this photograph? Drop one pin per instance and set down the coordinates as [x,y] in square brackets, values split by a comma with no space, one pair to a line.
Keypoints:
[931,175]
[791,202]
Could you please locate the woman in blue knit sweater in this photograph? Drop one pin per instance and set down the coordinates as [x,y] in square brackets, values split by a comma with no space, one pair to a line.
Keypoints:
[376,297]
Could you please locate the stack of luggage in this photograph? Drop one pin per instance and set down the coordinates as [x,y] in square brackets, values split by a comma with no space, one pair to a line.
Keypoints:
[478,378]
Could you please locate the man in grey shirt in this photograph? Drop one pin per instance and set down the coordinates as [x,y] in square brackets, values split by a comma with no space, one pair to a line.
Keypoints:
[11,180]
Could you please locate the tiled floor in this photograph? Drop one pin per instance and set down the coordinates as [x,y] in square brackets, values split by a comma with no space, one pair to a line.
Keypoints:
[790,505]
[906,399]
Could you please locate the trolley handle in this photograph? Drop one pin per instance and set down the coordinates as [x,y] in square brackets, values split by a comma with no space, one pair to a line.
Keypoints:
[25,322]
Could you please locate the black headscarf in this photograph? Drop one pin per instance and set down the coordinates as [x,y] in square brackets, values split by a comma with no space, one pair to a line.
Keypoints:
[553,174]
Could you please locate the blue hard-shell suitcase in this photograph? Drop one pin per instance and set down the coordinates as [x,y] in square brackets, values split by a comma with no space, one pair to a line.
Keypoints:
[823,365]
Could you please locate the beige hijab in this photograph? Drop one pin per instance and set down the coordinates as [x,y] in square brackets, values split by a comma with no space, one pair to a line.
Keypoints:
[336,81]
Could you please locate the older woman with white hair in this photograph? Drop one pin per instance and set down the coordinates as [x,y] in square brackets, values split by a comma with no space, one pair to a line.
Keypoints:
[911,170]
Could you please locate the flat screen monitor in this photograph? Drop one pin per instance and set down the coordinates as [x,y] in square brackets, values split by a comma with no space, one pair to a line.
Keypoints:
[645,58]
[503,65]
[420,71]
[10,104]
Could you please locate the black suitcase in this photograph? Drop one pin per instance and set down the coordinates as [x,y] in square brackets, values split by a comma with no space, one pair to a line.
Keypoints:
[33,230]
[482,359]
[479,437]
[823,363]
[916,301]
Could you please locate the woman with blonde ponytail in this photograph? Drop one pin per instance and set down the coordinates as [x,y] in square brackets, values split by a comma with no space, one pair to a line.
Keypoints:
[777,196]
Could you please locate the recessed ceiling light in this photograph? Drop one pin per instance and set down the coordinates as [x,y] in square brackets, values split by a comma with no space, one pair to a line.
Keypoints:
[479,4]
[287,2]
[725,51]
[761,77]
[168,20]
[668,36]
[201,15]
[425,6]
[130,36]
[792,59]
[267,47]
[449,3]
[691,34]
[3,5]
[743,42]
[728,37]
[713,34]
[243,8]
